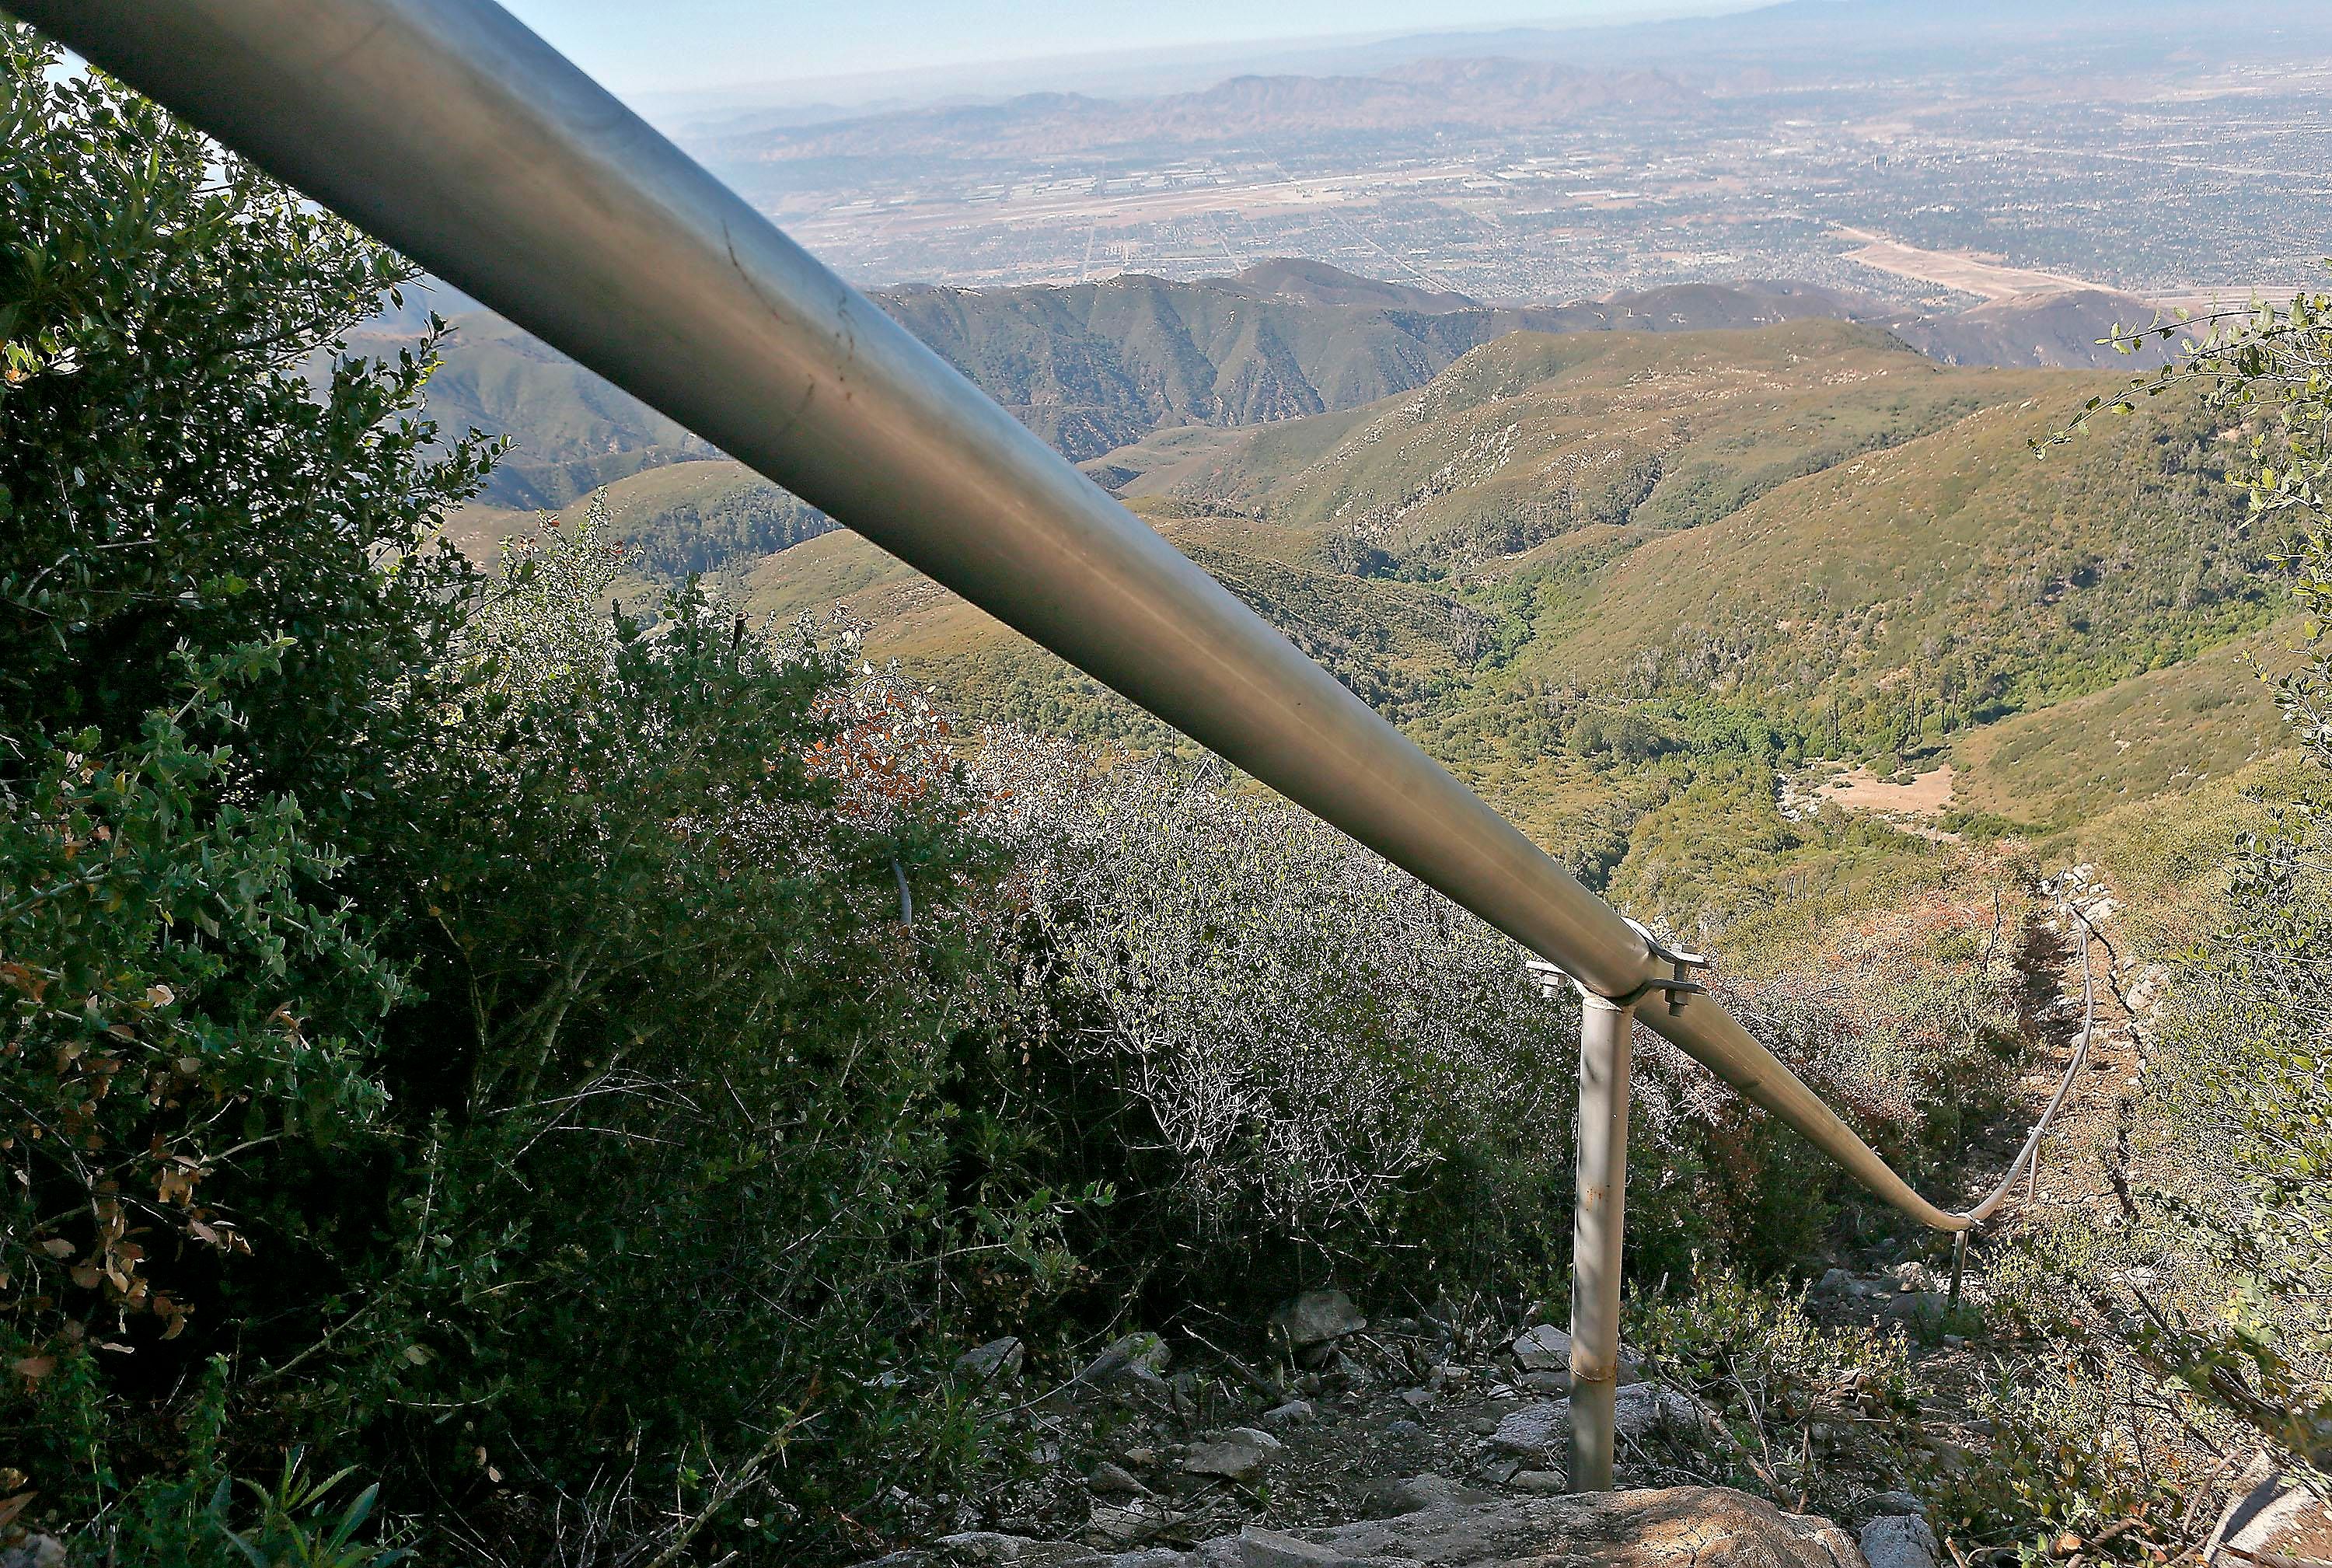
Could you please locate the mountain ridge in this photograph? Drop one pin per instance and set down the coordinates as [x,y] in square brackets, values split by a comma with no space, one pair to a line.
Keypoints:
[1414,95]
[1096,367]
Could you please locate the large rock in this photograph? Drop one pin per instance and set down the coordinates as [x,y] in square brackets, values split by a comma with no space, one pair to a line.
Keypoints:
[997,1360]
[1261,1548]
[1541,1430]
[1236,1455]
[1545,1348]
[1317,1317]
[1134,1355]
[1704,1527]
[1414,1494]
[1701,1527]
[2277,1514]
[990,1549]
[1900,1540]
[1132,1364]
[1545,1351]
[1131,1525]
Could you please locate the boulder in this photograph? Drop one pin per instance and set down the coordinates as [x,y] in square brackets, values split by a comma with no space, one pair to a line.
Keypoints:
[35,1551]
[1131,1525]
[1236,1455]
[1643,1408]
[1541,1430]
[1544,1353]
[1260,1548]
[1132,1364]
[980,1546]
[1545,1348]
[1900,1540]
[997,1360]
[1317,1317]
[1133,1354]
[1115,1481]
[1415,1494]
[1706,1526]
[1882,1502]
[2277,1514]
[1538,1430]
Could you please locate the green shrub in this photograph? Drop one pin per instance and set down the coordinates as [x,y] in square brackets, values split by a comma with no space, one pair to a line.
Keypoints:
[487,1022]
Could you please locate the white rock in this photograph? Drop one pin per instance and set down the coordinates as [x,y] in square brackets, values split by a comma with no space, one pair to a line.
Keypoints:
[1116,1479]
[1133,1524]
[1415,1494]
[1294,1413]
[1900,1540]
[1640,1529]
[1543,1429]
[1642,1408]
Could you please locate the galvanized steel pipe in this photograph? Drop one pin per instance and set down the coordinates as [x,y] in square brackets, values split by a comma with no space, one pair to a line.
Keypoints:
[452,132]
[1607,1032]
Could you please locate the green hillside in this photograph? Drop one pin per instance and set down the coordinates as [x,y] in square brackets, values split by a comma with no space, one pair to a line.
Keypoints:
[1090,367]
[1569,565]
[1093,366]
[573,432]
[1536,436]
[705,516]
[2160,732]
[1142,379]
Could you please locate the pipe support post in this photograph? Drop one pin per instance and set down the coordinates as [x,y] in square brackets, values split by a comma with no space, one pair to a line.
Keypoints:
[1598,1235]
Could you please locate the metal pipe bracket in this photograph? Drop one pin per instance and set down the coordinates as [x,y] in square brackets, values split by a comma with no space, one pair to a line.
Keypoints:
[1676,983]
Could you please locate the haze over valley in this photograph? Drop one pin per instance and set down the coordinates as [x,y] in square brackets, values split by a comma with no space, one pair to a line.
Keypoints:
[2150,148]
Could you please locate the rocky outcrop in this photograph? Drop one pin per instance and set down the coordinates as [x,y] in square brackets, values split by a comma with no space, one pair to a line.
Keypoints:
[1677,1528]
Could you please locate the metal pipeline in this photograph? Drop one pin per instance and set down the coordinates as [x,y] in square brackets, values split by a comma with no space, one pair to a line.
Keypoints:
[449,131]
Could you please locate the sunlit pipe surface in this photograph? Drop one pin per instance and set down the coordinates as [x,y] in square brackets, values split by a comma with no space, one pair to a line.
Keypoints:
[454,133]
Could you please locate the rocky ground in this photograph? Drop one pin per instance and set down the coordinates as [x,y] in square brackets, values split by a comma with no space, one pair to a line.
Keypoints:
[1434,1439]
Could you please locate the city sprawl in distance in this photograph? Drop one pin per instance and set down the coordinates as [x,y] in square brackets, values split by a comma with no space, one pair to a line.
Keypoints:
[1924,153]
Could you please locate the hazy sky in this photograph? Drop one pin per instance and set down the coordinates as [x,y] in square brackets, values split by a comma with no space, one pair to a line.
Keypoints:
[682,45]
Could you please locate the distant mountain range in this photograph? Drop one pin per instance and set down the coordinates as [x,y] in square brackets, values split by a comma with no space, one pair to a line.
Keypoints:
[1416,95]
[1097,367]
